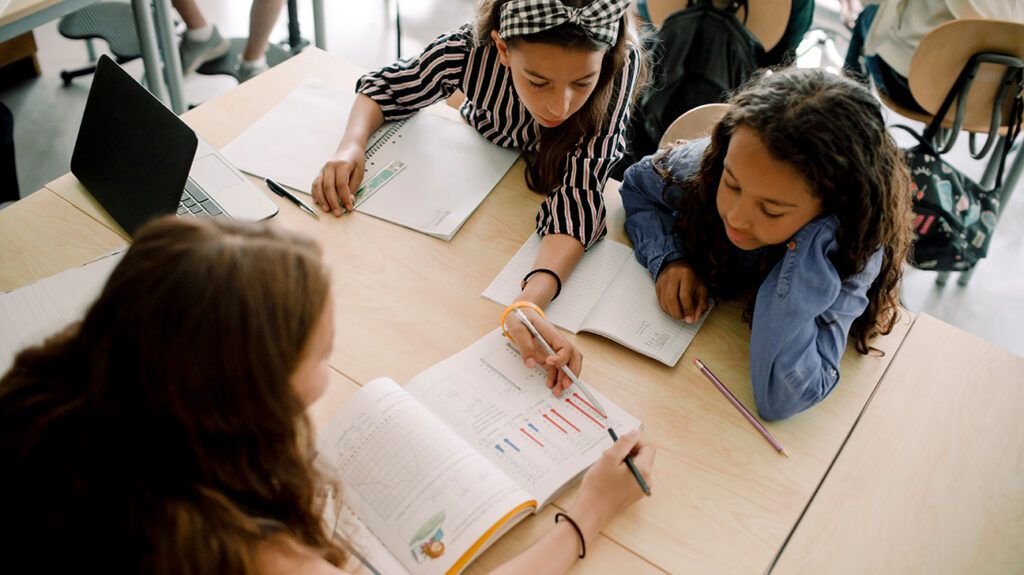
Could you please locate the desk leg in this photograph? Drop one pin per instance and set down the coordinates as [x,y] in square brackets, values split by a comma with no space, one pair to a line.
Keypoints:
[147,43]
[172,61]
[319,28]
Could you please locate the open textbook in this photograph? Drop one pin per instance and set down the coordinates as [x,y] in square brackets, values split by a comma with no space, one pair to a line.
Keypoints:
[609,294]
[441,468]
[427,173]
[30,314]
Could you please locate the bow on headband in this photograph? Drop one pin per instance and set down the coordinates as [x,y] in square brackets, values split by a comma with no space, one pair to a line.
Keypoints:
[599,19]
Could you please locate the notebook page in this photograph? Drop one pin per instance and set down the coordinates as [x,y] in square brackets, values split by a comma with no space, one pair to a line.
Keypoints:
[292,141]
[628,313]
[506,411]
[580,292]
[449,170]
[419,488]
[30,314]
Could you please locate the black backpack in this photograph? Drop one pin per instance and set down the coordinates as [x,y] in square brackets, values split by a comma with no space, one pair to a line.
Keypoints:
[701,54]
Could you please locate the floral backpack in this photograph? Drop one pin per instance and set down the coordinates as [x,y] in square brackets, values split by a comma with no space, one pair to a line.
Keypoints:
[954,217]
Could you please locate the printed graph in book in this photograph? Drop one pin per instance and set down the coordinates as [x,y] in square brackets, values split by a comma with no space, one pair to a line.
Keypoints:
[385,460]
[514,418]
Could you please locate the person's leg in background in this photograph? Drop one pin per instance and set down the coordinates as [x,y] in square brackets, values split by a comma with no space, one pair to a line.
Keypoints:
[262,18]
[202,42]
[8,169]
[856,49]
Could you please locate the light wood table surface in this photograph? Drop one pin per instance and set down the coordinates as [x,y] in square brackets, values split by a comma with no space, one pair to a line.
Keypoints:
[724,500]
[932,478]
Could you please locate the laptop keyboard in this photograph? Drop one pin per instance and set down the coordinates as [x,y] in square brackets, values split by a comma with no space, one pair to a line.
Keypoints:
[195,202]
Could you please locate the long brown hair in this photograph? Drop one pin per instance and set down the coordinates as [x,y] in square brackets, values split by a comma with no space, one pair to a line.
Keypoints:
[831,130]
[161,434]
[545,168]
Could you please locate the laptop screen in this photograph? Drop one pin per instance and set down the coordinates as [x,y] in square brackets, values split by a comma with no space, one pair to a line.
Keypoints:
[132,153]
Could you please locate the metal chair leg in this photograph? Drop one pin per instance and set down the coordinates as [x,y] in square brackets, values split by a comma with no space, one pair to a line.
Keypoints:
[942,278]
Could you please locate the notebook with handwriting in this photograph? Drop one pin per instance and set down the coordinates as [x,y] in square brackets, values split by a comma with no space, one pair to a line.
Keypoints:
[441,169]
[438,469]
[609,294]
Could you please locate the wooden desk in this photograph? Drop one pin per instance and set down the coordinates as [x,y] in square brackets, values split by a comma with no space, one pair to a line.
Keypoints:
[725,501]
[43,234]
[932,478]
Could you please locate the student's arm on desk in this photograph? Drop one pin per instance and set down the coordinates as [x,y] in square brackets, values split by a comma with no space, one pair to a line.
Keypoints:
[802,318]
[607,490]
[559,253]
[393,92]
[336,184]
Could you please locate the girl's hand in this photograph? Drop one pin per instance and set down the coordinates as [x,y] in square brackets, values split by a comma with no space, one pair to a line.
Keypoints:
[533,352]
[609,487]
[336,185]
[681,293]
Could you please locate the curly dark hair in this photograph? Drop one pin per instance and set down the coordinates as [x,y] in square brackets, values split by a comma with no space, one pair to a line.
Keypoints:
[830,129]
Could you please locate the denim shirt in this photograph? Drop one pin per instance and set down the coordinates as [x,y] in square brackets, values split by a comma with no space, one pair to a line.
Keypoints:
[803,310]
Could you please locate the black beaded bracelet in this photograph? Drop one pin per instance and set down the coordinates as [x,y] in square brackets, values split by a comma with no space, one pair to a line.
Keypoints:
[558,280]
[583,543]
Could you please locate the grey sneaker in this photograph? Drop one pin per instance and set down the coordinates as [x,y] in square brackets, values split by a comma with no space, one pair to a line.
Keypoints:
[195,54]
[245,73]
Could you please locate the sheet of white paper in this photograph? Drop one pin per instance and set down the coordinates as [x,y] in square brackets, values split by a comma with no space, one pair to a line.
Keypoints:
[291,142]
[30,314]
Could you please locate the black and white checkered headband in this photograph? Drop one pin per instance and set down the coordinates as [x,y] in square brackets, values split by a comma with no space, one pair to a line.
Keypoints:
[599,19]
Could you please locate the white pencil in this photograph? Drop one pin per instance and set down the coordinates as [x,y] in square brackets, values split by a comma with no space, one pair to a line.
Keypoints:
[565,368]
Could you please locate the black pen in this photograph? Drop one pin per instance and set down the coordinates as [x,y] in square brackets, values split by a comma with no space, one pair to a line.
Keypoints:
[632,466]
[279,190]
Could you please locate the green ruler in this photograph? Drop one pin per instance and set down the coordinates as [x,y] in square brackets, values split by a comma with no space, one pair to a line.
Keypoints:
[378,180]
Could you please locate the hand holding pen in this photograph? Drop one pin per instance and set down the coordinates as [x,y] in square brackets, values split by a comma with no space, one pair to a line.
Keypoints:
[560,353]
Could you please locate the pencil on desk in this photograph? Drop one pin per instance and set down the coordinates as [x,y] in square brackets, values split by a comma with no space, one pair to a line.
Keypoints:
[740,407]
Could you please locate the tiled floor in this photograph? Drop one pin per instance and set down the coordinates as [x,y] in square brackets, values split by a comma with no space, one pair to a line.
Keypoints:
[47,116]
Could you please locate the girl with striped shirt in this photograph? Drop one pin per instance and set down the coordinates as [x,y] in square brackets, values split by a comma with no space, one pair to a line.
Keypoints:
[554,78]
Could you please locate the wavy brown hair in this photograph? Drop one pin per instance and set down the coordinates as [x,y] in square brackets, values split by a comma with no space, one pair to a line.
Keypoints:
[162,434]
[545,168]
[830,129]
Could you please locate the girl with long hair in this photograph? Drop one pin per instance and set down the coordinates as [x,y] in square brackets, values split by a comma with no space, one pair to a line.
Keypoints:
[166,432]
[800,202]
[554,78]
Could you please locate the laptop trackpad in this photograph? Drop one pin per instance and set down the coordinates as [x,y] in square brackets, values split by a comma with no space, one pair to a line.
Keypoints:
[213,174]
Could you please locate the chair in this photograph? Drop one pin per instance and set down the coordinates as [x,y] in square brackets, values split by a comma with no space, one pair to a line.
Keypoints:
[934,70]
[112,21]
[693,124]
[767,19]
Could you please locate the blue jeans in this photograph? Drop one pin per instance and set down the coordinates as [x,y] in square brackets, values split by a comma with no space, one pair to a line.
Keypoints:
[888,81]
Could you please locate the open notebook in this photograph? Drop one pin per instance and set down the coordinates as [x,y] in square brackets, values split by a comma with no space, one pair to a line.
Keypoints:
[609,294]
[30,314]
[440,169]
[439,469]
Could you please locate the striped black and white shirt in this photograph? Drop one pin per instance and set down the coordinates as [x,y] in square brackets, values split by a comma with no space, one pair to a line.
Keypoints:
[454,61]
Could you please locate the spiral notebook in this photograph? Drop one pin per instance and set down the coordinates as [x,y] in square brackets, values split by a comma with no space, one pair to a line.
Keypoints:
[427,173]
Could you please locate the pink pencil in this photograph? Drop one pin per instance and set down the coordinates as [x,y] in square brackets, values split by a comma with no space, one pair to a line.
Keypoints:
[739,406]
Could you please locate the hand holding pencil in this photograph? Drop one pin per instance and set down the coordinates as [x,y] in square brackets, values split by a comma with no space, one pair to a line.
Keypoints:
[534,353]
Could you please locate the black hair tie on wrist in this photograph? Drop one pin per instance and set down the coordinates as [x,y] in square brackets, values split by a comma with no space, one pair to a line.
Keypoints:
[583,543]
[558,280]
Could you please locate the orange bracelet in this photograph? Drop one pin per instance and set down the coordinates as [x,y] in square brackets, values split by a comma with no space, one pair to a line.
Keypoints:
[512,308]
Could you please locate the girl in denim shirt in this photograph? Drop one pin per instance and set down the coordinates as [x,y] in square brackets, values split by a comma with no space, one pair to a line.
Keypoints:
[800,202]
